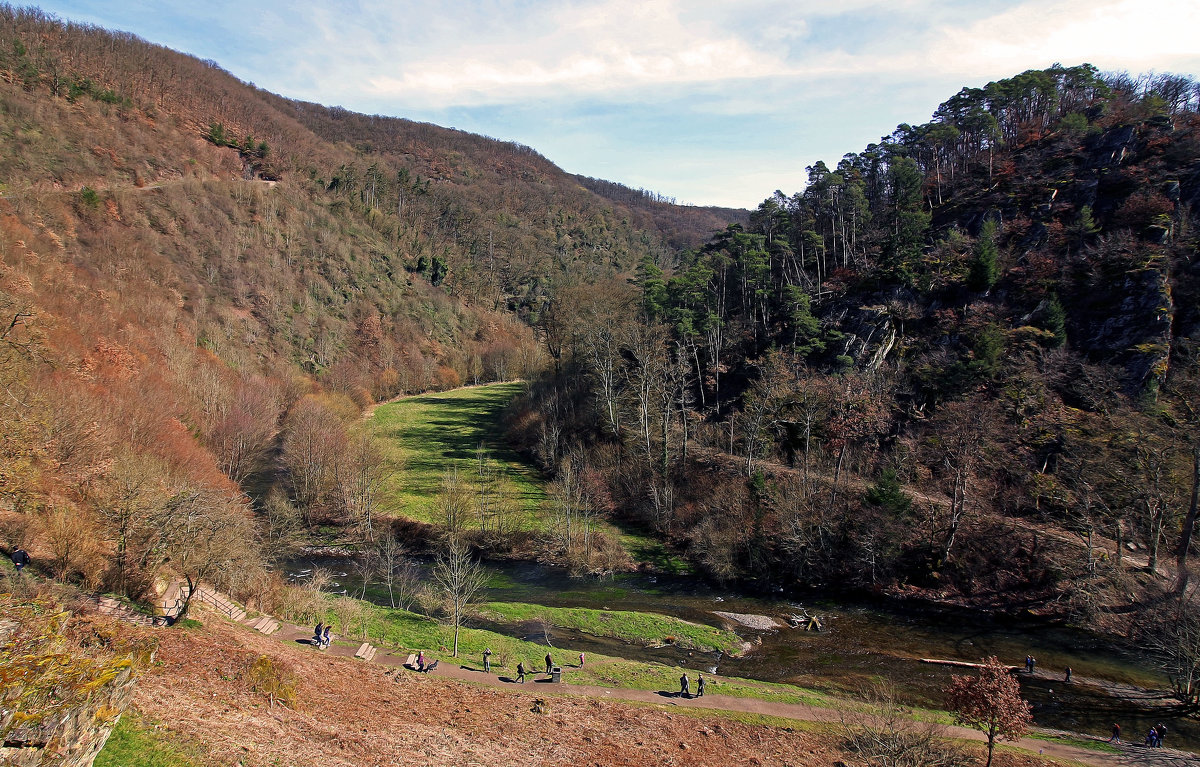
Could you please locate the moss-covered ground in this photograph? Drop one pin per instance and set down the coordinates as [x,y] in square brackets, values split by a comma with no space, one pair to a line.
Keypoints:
[136,743]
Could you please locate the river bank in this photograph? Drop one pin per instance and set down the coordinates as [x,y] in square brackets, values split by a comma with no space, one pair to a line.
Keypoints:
[861,643]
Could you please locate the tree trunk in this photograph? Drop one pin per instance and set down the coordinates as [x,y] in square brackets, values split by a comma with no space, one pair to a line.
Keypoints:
[1189,526]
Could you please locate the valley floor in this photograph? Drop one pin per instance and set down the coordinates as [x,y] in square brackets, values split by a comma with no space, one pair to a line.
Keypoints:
[356,713]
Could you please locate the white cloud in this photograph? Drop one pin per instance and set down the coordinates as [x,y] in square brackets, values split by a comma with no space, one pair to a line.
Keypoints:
[1133,34]
[583,48]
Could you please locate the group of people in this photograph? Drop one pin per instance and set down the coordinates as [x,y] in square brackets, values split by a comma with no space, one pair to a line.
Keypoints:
[1154,738]
[685,687]
[521,672]
[1031,664]
[321,636]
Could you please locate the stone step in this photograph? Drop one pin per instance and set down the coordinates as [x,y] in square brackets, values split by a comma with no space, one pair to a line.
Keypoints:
[365,651]
[121,611]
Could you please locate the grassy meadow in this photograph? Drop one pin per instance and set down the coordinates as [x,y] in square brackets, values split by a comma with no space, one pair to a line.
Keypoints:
[401,632]
[427,435]
[636,627]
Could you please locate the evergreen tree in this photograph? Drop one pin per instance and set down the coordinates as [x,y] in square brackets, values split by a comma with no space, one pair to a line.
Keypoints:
[437,273]
[984,267]
[908,220]
[1054,319]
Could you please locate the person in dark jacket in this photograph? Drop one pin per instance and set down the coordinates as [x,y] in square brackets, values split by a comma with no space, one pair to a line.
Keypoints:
[20,558]
[521,672]
[683,687]
[549,663]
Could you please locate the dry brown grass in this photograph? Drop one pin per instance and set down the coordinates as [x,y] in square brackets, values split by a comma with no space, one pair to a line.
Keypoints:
[350,713]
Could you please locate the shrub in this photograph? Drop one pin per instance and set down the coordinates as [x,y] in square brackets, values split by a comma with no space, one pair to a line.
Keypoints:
[89,197]
[887,734]
[277,681]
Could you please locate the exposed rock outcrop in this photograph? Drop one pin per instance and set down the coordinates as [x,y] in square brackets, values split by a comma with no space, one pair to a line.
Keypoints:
[65,685]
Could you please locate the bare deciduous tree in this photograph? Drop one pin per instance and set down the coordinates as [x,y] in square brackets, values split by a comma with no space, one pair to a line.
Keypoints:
[207,535]
[889,734]
[361,474]
[460,580]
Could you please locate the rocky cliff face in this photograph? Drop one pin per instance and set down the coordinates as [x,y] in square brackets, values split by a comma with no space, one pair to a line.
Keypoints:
[62,696]
[74,737]
[1133,324]
[870,334]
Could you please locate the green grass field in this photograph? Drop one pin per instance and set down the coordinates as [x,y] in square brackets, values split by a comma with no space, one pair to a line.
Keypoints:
[633,627]
[402,632]
[425,436]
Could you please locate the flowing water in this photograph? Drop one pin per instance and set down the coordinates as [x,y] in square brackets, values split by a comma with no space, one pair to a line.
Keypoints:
[859,645]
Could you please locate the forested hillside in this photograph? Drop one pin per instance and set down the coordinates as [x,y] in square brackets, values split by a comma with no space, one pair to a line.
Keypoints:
[202,285]
[960,364]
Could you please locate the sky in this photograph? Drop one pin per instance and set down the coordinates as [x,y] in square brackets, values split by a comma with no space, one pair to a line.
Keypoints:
[705,101]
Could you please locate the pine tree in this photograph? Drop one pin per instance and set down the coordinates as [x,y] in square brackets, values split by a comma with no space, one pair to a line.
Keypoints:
[984,268]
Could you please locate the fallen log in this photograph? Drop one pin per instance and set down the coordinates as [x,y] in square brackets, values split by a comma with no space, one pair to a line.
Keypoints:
[963,664]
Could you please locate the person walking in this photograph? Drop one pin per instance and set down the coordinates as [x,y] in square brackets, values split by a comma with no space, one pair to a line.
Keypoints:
[325,637]
[487,660]
[1160,730]
[549,663]
[683,686]
[581,660]
[1116,734]
[700,685]
[1068,678]
[521,672]
[20,558]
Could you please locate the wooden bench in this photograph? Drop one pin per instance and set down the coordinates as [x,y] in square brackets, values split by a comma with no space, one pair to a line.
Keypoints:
[411,661]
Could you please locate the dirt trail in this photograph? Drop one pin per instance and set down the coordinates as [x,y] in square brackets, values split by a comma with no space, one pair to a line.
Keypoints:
[1131,755]
[134,188]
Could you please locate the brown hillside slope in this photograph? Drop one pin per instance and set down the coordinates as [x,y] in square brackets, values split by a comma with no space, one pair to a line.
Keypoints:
[354,713]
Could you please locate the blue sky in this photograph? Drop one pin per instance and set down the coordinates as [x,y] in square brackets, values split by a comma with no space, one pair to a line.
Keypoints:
[709,102]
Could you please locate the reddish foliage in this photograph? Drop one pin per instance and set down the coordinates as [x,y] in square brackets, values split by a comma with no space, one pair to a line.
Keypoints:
[990,702]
